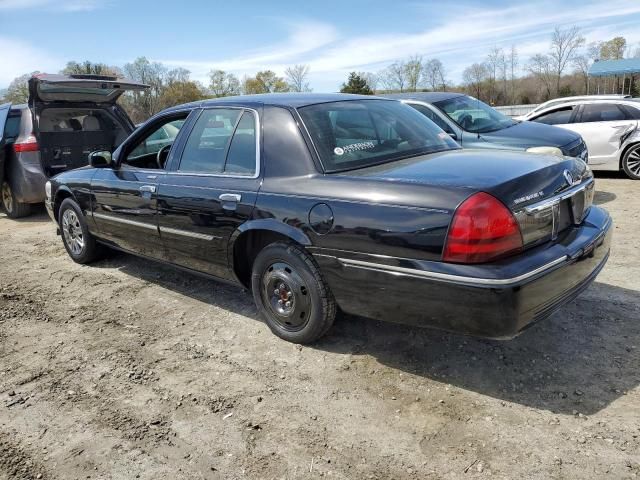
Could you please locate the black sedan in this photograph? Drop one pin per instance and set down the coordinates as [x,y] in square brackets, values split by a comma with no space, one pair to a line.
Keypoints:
[324,202]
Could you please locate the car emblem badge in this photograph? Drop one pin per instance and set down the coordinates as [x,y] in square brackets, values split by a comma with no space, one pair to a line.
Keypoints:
[568,177]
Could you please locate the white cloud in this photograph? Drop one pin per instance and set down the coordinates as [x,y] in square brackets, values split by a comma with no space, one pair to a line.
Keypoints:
[457,39]
[18,58]
[54,5]
[303,39]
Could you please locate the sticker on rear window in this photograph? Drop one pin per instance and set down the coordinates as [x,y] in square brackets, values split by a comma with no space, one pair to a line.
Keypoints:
[354,147]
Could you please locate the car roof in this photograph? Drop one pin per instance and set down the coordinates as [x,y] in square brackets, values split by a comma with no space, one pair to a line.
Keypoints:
[427,97]
[292,100]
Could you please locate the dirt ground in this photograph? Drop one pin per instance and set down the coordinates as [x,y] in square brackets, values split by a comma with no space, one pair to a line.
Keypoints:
[127,369]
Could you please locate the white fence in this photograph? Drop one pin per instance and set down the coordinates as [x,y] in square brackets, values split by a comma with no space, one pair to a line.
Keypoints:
[515,110]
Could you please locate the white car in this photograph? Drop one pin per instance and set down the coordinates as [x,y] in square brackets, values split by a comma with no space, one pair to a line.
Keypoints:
[608,127]
[558,101]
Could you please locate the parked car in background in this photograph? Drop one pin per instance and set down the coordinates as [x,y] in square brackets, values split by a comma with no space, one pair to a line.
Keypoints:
[558,101]
[316,202]
[474,124]
[609,128]
[66,118]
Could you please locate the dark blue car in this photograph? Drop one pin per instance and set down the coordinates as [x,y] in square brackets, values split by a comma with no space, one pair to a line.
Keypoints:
[474,124]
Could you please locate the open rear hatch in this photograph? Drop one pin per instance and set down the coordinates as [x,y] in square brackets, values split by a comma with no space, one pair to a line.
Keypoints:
[77,114]
[79,88]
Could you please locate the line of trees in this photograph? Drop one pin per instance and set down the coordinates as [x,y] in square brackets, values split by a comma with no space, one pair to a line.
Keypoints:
[500,79]
[170,87]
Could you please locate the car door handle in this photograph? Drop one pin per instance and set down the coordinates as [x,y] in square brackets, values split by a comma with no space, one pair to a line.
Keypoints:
[230,197]
[148,189]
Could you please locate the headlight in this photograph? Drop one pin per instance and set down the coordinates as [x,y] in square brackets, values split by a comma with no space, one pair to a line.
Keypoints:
[47,189]
[546,150]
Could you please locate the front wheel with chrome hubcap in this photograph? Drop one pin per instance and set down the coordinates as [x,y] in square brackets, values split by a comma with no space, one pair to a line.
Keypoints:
[77,240]
[291,294]
[631,162]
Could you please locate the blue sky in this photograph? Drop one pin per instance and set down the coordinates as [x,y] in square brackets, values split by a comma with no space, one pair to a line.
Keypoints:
[333,37]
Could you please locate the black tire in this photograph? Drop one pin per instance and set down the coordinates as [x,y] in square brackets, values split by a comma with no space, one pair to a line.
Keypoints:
[284,272]
[11,205]
[631,162]
[78,241]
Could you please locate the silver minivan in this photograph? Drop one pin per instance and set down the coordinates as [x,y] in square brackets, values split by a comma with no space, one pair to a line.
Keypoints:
[66,118]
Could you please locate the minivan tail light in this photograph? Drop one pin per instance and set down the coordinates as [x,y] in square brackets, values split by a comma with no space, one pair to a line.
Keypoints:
[482,229]
[29,144]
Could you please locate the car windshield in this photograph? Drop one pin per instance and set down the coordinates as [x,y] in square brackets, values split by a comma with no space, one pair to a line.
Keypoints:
[473,115]
[361,133]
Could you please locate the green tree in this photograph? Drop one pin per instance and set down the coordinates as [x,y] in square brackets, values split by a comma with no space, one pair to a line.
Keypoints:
[223,84]
[264,82]
[178,92]
[18,90]
[613,49]
[90,68]
[356,84]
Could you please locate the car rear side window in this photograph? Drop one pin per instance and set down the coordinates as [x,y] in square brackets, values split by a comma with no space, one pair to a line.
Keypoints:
[223,141]
[561,116]
[601,112]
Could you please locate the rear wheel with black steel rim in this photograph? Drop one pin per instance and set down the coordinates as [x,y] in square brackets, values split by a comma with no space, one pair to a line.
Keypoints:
[78,241]
[631,162]
[12,206]
[291,294]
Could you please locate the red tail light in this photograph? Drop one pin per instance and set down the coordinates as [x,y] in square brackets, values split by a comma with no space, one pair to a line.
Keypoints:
[29,144]
[482,230]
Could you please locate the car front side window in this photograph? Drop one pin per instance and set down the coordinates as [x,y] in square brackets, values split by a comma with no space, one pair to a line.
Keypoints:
[561,116]
[222,142]
[151,151]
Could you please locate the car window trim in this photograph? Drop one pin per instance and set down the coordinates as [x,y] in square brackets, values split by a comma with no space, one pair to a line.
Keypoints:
[256,117]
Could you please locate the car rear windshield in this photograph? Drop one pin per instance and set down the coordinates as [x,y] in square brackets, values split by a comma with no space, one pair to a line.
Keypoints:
[361,133]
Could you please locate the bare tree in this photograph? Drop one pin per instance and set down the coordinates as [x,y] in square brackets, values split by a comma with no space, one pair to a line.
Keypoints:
[474,76]
[542,68]
[434,74]
[495,66]
[512,61]
[413,72]
[297,76]
[564,48]
[583,62]
[223,84]
[397,73]
[372,80]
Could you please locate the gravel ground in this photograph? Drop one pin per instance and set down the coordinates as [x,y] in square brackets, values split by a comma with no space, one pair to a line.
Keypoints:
[127,369]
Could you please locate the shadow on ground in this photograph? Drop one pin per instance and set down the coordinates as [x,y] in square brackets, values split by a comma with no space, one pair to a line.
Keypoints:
[38,215]
[579,360]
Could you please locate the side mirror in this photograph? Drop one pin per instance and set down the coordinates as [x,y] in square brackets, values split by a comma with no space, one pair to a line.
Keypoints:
[100,159]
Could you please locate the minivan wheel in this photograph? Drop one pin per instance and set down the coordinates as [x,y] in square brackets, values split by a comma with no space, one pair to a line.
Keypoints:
[291,294]
[78,241]
[631,162]
[13,207]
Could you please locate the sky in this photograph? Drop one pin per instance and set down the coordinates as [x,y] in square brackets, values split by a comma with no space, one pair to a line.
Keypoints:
[332,37]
